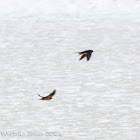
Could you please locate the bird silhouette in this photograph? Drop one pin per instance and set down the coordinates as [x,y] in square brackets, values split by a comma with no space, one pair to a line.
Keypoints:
[49,97]
[86,54]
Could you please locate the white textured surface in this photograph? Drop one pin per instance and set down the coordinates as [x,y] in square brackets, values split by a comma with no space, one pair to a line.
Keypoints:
[98,99]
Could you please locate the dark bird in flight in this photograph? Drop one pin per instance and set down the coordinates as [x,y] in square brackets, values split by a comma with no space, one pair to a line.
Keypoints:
[86,54]
[49,97]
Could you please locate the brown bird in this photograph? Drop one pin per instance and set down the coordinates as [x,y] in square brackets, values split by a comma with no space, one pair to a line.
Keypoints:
[49,97]
[86,54]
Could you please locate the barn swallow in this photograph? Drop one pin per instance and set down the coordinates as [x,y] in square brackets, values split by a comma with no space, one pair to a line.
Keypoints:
[86,53]
[49,97]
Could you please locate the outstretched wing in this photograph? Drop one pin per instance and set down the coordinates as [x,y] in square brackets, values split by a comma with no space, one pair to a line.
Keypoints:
[88,56]
[52,94]
[87,51]
[84,55]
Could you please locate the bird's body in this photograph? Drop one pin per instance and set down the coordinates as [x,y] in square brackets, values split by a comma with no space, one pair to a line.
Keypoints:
[86,54]
[49,97]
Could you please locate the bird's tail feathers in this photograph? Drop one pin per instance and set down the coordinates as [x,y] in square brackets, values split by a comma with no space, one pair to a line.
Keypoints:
[40,95]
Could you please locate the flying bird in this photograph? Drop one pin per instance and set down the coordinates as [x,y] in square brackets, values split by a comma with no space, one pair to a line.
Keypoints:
[49,97]
[86,54]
